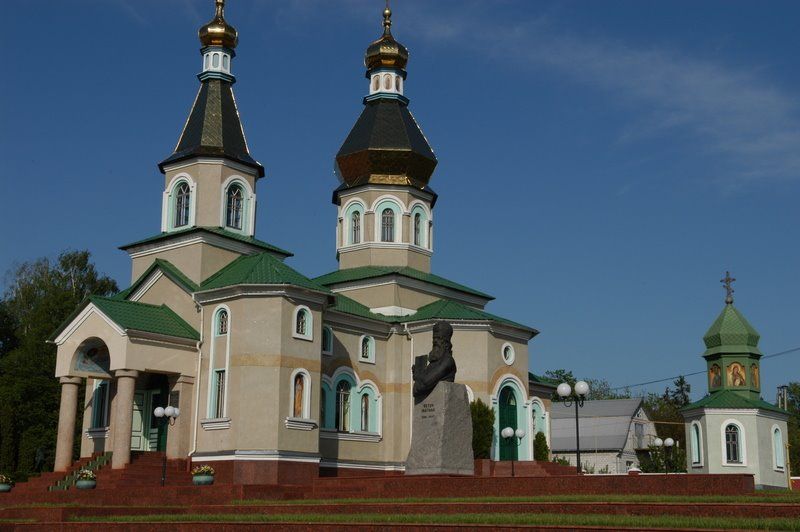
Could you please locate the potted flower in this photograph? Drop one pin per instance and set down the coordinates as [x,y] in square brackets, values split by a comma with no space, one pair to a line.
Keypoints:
[6,483]
[87,480]
[203,475]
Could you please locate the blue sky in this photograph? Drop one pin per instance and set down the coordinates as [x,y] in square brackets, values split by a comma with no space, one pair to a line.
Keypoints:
[601,164]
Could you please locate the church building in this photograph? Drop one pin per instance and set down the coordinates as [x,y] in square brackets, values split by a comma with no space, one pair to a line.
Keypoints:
[732,429]
[279,377]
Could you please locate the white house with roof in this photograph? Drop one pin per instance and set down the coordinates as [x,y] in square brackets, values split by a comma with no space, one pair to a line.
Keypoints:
[611,431]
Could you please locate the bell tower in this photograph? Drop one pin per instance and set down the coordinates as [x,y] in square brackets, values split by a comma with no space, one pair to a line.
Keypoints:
[210,176]
[385,207]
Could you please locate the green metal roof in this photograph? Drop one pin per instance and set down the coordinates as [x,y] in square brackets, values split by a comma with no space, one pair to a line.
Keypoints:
[731,333]
[544,381]
[217,231]
[444,309]
[169,270]
[263,268]
[136,316]
[369,272]
[349,306]
[731,399]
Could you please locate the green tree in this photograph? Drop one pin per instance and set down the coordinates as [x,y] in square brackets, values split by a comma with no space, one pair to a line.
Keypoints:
[653,460]
[793,407]
[664,411]
[601,389]
[540,449]
[39,296]
[482,428]
[561,375]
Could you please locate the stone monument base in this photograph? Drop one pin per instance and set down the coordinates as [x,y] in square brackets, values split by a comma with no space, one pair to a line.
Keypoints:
[441,442]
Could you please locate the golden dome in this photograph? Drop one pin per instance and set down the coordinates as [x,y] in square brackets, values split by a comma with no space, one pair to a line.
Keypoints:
[218,32]
[386,52]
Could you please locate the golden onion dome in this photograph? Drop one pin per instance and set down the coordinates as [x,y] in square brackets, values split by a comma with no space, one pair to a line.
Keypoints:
[386,52]
[218,32]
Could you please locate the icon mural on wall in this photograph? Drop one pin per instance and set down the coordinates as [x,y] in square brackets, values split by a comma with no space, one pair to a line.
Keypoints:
[736,375]
[715,376]
[95,361]
[754,375]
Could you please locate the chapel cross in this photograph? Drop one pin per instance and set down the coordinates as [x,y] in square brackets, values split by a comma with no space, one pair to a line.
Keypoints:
[726,282]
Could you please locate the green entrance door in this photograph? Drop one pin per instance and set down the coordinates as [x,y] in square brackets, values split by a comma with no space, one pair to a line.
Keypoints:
[147,432]
[508,418]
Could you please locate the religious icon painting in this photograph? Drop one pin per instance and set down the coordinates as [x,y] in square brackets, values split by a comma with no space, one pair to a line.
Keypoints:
[736,375]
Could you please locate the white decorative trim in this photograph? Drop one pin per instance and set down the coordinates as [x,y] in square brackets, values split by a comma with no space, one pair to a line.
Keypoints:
[394,310]
[470,393]
[510,377]
[90,310]
[248,225]
[701,462]
[200,237]
[99,433]
[296,423]
[399,211]
[510,360]
[330,434]
[216,424]
[371,466]
[166,223]
[371,348]
[147,285]
[306,394]
[212,160]
[775,466]
[256,455]
[212,358]
[389,197]
[309,335]
[742,444]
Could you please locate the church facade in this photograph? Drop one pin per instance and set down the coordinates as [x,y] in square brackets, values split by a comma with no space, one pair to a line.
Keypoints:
[278,376]
[732,429]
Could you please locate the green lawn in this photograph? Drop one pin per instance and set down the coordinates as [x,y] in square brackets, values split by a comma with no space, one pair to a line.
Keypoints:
[772,497]
[617,521]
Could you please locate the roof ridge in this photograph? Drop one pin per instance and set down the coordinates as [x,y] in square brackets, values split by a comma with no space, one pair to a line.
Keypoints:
[124,301]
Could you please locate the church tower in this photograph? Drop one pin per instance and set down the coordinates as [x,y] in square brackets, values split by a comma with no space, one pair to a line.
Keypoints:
[384,203]
[209,203]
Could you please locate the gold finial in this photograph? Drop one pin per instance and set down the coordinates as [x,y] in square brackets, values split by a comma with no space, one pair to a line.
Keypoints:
[386,51]
[387,18]
[218,32]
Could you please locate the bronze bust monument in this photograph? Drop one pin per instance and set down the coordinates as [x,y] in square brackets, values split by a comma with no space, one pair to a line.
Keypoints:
[429,370]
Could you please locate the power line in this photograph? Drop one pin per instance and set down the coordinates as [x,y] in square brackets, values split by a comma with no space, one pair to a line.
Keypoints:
[773,355]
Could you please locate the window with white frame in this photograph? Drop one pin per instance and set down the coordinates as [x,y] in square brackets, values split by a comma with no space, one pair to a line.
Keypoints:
[355,228]
[733,444]
[222,322]
[303,324]
[387,225]
[100,404]
[218,396]
[696,442]
[234,211]
[183,199]
[778,449]
[327,341]
[508,354]
[367,350]
[343,389]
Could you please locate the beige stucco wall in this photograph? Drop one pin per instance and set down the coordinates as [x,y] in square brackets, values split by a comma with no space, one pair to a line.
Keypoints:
[166,292]
[197,261]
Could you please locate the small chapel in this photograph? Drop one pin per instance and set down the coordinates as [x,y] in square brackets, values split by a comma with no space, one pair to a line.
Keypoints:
[732,429]
[280,377]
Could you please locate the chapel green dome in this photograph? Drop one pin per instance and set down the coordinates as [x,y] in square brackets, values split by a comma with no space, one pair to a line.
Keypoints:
[731,333]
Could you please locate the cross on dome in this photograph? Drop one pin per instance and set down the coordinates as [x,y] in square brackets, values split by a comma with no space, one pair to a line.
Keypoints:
[727,283]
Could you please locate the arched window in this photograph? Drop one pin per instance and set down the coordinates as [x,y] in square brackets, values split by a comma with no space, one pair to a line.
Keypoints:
[387,81]
[222,322]
[183,198]
[777,449]
[417,229]
[215,61]
[732,445]
[387,225]
[235,207]
[355,228]
[327,341]
[376,82]
[367,349]
[225,61]
[697,456]
[205,63]
[343,406]
[397,83]
[365,413]
[303,325]
[299,385]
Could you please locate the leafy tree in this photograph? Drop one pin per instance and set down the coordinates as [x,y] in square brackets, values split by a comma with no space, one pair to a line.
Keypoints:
[793,407]
[680,395]
[540,449]
[482,428]
[40,294]
[561,375]
[601,389]
[653,460]
[664,410]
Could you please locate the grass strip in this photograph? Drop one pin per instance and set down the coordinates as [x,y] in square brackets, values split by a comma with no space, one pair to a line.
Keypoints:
[616,521]
[783,498]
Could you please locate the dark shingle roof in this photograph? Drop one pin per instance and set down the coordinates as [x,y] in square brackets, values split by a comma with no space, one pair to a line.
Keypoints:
[731,399]
[262,268]
[214,128]
[217,231]
[369,272]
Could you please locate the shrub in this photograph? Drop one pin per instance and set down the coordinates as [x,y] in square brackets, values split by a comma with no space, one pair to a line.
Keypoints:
[86,474]
[6,480]
[560,460]
[204,469]
[540,449]
[482,428]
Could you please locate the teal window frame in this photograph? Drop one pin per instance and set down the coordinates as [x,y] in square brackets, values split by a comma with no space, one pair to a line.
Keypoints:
[100,396]
[397,232]
[423,227]
[348,238]
[327,341]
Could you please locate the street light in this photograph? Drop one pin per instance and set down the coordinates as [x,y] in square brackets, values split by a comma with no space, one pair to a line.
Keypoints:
[667,444]
[578,396]
[166,415]
[508,433]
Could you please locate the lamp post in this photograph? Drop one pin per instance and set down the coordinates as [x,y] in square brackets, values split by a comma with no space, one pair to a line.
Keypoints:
[667,445]
[577,396]
[166,415]
[509,433]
